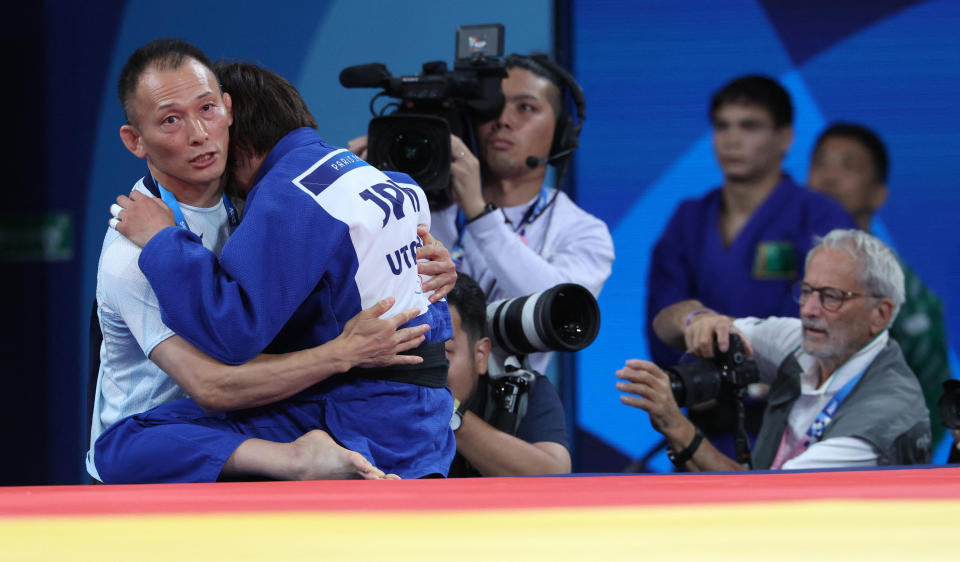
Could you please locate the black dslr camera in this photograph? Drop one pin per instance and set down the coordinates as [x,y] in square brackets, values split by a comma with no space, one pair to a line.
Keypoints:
[728,372]
[415,137]
[695,383]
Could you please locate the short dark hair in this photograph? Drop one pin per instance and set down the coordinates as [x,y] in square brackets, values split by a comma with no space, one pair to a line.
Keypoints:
[162,54]
[265,108]
[867,138]
[468,298]
[531,64]
[759,90]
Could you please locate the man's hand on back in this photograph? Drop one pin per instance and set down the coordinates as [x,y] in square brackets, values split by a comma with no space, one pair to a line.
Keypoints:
[371,341]
[358,146]
[439,265]
[140,217]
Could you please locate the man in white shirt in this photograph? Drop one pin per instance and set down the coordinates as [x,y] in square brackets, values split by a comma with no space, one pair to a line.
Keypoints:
[178,121]
[841,393]
[506,228]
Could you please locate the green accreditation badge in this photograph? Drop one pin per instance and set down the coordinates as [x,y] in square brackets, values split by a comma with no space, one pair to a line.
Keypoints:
[775,260]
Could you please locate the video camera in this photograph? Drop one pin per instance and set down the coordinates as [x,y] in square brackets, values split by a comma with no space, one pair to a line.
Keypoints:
[563,318]
[415,137]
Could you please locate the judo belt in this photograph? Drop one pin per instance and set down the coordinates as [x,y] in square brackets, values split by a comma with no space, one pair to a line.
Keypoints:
[431,373]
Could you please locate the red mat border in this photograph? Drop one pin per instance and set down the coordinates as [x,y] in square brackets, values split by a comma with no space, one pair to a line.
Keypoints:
[481,493]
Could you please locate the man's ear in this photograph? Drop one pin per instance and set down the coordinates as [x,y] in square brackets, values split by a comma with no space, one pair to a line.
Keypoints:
[877,198]
[481,353]
[133,140]
[786,139]
[880,316]
[228,105]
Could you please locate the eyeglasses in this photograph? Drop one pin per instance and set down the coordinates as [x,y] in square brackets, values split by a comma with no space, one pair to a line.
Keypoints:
[831,298]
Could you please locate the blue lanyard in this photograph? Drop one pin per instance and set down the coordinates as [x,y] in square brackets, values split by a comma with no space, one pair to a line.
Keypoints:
[456,255]
[171,201]
[532,213]
[820,424]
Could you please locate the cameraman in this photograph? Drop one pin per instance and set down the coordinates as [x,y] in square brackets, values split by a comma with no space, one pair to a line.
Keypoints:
[537,445]
[841,393]
[508,230]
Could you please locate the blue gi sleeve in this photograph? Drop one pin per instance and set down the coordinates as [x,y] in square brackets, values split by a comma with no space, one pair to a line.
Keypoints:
[232,309]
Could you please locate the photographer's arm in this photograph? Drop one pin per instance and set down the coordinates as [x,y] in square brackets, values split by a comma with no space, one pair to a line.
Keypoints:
[648,389]
[495,453]
[465,187]
[358,146]
[689,325]
[367,340]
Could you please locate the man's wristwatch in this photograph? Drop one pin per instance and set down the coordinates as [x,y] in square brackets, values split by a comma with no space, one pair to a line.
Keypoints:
[487,209]
[679,459]
[459,409]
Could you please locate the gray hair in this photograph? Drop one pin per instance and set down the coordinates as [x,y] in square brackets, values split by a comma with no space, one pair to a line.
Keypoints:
[880,270]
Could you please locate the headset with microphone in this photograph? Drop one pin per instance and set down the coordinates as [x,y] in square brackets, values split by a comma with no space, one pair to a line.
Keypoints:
[567,131]
[533,161]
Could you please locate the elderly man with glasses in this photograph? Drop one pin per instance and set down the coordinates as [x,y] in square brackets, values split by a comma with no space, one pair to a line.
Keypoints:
[841,394]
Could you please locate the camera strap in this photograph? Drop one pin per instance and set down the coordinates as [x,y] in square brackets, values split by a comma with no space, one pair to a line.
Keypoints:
[158,190]
[506,400]
[533,212]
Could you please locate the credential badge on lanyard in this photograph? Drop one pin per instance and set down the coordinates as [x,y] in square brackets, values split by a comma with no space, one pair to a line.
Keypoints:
[532,213]
[820,424]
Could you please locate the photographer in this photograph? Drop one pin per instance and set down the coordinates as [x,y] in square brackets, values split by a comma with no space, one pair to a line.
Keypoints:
[841,393]
[507,229]
[535,445]
[850,163]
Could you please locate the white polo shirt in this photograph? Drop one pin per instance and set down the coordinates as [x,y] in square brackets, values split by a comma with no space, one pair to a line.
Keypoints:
[773,340]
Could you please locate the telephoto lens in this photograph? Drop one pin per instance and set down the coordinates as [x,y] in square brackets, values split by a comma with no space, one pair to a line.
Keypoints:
[563,318]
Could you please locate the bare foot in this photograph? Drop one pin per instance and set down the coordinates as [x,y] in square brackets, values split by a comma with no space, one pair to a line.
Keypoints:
[319,457]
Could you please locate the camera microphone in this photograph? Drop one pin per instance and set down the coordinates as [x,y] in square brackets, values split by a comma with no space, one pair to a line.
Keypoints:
[533,161]
[373,75]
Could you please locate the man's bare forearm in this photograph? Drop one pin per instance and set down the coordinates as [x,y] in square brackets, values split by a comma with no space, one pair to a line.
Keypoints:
[366,341]
[495,453]
[669,323]
[216,386]
[706,458]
